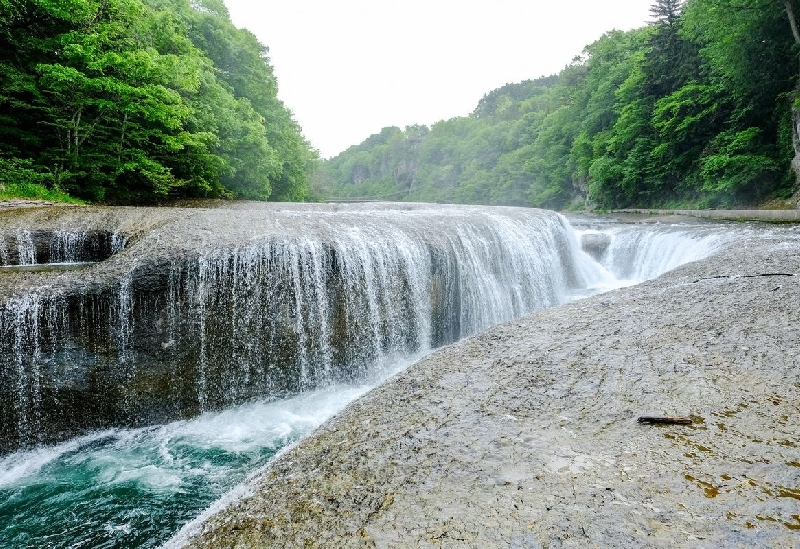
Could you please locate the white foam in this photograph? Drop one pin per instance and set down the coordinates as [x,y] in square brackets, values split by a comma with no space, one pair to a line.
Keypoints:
[325,404]
[18,467]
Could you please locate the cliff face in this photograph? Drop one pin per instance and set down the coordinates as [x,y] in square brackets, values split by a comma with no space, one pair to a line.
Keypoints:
[527,436]
[134,316]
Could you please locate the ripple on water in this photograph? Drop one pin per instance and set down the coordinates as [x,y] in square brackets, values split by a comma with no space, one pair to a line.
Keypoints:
[136,488]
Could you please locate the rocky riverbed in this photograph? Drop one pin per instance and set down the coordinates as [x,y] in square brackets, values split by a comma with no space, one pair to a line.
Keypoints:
[527,435]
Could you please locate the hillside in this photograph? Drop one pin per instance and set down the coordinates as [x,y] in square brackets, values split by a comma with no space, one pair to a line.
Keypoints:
[694,109]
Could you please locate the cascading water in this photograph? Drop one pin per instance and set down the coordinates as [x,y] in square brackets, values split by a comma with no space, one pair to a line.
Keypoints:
[53,250]
[25,248]
[255,312]
[267,306]
[634,255]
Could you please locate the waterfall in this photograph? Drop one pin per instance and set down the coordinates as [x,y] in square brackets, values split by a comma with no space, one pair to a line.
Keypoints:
[26,251]
[270,303]
[258,324]
[265,311]
[31,248]
[66,246]
[643,256]
[634,254]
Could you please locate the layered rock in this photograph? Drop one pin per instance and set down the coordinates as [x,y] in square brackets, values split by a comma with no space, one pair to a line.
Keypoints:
[134,316]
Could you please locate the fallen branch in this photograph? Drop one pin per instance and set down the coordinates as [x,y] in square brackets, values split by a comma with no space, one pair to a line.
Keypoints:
[651,420]
[743,276]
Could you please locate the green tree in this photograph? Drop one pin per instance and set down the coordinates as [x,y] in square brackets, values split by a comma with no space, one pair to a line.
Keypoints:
[695,108]
[750,52]
[112,99]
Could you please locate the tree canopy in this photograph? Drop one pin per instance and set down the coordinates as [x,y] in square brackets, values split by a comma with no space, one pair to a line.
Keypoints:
[695,108]
[139,100]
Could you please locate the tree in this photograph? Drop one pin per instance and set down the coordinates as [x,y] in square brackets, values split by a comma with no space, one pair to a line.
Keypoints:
[114,100]
[751,54]
[694,109]
[793,25]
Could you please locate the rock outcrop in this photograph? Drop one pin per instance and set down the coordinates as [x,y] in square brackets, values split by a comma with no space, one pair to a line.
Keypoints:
[119,317]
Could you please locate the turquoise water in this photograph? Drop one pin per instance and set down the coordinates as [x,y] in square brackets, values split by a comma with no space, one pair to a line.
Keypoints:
[136,488]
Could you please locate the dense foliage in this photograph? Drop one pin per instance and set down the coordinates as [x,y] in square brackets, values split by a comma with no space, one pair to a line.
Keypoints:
[695,108]
[138,100]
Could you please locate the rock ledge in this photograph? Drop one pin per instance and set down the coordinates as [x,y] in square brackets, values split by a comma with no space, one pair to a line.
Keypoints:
[527,435]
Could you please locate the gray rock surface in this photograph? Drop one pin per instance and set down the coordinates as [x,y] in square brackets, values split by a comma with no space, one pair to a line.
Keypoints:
[21,203]
[595,244]
[526,435]
[790,214]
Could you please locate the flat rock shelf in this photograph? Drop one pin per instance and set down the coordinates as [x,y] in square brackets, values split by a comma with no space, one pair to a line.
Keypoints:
[526,435]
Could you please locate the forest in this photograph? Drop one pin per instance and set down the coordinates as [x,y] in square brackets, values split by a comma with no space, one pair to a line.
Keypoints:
[141,101]
[698,108]
[145,101]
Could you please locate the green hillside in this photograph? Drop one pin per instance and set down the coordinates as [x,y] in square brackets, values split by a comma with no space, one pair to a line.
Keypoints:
[136,101]
[694,109]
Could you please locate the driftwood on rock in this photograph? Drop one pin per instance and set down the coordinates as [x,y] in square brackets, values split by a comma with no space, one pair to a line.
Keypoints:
[652,420]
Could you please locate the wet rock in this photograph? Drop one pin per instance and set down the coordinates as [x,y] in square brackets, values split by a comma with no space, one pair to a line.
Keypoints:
[595,244]
[527,435]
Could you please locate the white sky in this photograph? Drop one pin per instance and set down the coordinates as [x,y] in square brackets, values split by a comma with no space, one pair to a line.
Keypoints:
[347,68]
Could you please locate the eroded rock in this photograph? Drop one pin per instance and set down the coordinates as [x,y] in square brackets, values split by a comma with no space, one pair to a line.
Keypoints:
[595,244]
[526,435]
[165,313]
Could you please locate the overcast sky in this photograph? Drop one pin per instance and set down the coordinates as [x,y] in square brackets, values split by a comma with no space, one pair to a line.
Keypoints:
[347,68]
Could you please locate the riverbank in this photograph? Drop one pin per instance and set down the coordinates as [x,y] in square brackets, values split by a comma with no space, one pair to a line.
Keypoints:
[24,203]
[527,435]
[775,216]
